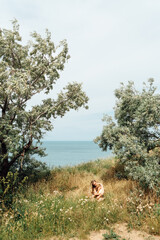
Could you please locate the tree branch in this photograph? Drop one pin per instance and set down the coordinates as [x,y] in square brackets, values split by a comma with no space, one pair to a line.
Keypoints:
[12,119]
[4,107]
[40,115]
[39,75]
[25,149]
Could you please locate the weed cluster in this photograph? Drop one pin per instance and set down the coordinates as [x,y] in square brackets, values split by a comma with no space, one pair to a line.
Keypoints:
[112,235]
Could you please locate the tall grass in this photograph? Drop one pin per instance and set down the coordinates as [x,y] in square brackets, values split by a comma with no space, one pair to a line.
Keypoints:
[62,207]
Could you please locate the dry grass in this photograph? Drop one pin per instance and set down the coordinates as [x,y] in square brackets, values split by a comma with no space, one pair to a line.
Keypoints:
[61,206]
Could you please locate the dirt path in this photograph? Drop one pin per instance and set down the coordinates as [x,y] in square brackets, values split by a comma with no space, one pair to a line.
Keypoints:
[122,231]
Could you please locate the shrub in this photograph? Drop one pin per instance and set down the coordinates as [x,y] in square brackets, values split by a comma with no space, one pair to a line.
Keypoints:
[135,133]
[9,187]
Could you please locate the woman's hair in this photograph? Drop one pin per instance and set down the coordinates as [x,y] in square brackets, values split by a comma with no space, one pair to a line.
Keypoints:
[92,182]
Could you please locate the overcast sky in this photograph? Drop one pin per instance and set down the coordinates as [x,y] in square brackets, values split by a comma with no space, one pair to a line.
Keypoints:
[109,42]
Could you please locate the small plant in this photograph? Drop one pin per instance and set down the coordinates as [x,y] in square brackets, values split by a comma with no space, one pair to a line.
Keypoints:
[112,235]
[9,186]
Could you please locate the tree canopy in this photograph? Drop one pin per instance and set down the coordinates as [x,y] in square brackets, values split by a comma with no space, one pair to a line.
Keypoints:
[27,70]
[134,135]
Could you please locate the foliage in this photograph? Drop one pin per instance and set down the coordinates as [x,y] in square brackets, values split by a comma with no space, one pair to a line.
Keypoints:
[134,136]
[96,166]
[112,235]
[11,185]
[33,169]
[25,71]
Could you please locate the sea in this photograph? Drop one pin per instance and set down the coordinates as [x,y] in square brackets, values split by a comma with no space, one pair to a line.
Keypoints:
[71,153]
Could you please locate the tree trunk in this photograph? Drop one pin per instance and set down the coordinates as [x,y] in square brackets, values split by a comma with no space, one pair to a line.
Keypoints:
[5,165]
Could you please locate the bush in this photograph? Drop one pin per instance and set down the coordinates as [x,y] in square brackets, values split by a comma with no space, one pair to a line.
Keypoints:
[9,186]
[147,175]
[134,135]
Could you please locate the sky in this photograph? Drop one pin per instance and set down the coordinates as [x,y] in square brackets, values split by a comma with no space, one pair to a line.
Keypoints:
[109,42]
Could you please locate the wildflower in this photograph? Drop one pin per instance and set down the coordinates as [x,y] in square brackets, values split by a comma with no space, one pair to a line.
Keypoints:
[56,192]
[106,219]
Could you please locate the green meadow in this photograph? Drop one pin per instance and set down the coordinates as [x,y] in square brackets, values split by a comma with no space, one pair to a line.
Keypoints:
[61,205]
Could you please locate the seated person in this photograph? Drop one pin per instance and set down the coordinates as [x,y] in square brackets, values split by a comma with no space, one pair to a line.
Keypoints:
[97,190]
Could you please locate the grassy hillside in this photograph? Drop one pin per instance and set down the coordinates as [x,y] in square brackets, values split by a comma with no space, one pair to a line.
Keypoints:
[61,206]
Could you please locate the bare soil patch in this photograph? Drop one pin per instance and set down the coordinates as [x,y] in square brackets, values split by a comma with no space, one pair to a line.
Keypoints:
[122,231]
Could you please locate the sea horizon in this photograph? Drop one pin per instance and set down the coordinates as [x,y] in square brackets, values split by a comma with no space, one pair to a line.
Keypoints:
[71,152]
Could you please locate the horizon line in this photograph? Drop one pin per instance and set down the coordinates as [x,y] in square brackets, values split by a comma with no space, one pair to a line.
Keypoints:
[67,140]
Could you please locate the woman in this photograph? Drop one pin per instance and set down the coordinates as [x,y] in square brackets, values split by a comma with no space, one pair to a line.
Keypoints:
[97,189]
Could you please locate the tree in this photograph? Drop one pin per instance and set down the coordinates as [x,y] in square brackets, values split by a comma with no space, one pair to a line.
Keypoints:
[134,136]
[27,70]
